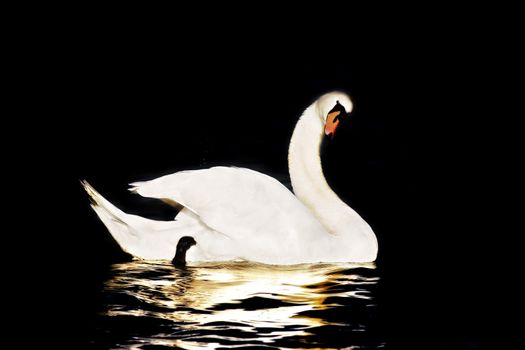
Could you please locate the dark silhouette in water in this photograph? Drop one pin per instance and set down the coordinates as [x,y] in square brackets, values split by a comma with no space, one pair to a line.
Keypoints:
[184,244]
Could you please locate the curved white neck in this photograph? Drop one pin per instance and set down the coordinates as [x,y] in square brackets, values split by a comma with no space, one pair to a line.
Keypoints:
[306,173]
[310,186]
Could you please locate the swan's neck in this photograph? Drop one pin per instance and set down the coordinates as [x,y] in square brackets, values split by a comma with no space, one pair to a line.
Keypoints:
[310,186]
[180,257]
[306,172]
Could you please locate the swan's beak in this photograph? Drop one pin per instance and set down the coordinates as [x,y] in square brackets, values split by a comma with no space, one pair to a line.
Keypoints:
[332,122]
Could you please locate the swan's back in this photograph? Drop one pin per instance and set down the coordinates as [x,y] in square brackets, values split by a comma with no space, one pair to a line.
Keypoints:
[236,202]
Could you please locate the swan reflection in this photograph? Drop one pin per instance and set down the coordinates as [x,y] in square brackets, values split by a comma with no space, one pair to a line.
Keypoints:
[264,301]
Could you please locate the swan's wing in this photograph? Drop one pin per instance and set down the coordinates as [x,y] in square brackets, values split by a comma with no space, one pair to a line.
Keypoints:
[234,201]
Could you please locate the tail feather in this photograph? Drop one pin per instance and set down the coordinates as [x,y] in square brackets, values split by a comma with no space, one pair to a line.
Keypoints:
[141,237]
[116,221]
[100,202]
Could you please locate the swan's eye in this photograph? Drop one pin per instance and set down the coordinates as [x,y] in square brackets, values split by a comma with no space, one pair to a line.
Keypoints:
[333,119]
[337,107]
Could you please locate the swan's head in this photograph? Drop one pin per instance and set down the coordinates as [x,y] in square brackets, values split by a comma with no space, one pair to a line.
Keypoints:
[332,108]
[185,243]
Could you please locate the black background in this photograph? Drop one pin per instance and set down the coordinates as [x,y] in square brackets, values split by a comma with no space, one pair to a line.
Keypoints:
[416,159]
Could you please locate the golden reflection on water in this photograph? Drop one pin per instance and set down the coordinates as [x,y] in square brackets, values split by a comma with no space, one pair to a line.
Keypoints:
[244,294]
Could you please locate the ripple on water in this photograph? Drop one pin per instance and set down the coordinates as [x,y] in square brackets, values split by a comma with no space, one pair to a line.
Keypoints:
[150,305]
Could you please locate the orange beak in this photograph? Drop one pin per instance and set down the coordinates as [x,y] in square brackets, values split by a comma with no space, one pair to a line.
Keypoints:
[331,123]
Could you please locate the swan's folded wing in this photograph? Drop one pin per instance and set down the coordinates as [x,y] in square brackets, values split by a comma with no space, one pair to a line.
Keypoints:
[234,201]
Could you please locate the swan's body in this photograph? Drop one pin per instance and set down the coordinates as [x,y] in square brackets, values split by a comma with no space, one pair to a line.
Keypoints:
[237,213]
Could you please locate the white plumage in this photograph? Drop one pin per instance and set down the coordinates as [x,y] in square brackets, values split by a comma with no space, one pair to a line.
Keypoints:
[238,213]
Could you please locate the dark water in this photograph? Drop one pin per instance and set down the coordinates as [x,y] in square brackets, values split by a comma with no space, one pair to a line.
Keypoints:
[152,305]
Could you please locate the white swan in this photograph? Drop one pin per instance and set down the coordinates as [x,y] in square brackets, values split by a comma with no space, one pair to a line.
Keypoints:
[238,213]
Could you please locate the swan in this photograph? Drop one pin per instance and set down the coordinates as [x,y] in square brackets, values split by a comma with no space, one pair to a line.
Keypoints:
[241,214]
[184,244]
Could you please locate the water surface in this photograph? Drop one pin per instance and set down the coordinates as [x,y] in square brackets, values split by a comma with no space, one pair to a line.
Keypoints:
[153,305]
